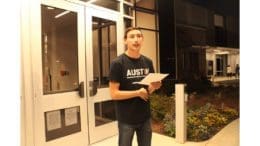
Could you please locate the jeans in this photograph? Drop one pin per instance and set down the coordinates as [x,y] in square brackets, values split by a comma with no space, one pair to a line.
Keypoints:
[143,132]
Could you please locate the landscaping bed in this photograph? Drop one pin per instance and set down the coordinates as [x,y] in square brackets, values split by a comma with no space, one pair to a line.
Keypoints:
[207,112]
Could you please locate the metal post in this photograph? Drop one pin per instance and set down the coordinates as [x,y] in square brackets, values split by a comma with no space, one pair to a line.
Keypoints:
[180,110]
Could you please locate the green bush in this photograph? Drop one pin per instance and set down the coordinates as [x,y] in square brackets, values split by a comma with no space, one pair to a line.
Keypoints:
[230,113]
[202,123]
[169,125]
[160,105]
[197,84]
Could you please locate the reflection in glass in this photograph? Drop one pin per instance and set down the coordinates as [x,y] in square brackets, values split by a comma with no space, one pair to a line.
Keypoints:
[148,22]
[104,112]
[128,10]
[104,49]
[148,4]
[131,1]
[110,4]
[127,22]
[221,62]
[59,50]
[150,45]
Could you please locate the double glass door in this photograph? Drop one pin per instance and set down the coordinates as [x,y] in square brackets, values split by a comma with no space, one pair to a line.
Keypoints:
[72,48]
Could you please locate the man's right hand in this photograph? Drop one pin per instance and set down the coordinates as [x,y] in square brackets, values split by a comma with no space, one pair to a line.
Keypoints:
[142,93]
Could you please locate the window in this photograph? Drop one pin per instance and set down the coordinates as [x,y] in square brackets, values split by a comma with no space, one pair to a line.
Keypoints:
[128,10]
[110,4]
[59,50]
[145,20]
[218,20]
[104,49]
[104,113]
[147,4]
[128,22]
[220,30]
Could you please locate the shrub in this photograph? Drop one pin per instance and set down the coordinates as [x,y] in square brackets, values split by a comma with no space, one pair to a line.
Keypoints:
[169,125]
[230,113]
[168,87]
[202,122]
[160,105]
[197,84]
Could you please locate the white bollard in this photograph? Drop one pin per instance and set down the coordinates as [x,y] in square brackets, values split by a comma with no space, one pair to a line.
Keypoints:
[181,113]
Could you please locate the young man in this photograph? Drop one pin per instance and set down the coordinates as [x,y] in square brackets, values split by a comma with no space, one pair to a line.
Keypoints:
[132,102]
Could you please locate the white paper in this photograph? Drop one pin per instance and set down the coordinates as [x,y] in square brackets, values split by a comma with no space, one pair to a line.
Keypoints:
[71,116]
[152,77]
[53,120]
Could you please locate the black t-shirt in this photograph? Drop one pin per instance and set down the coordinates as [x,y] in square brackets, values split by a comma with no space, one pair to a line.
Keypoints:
[126,70]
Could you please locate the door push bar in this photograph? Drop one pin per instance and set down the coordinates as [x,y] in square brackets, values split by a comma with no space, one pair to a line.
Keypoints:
[81,90]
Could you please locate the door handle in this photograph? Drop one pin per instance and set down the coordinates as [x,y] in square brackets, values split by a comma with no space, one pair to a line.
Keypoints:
[81,90]
[92,88]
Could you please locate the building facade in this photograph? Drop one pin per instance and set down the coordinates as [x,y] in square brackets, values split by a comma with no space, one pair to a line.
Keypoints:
[67,47]
[66,50]
[201,36]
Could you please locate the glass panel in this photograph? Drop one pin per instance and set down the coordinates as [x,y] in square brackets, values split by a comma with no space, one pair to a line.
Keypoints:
[148,4]
[131,1]
[104,112]
[104,49]
[127,22]
[110,4]
[145,20]
[218,20]
[59,50]
[149,46]
[209,67]
[219,68]
[128,10]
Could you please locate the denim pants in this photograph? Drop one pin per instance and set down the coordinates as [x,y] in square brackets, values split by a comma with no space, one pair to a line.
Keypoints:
[143,132]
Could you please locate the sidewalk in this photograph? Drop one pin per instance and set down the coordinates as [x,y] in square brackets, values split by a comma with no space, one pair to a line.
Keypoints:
[228,136]
[227,81]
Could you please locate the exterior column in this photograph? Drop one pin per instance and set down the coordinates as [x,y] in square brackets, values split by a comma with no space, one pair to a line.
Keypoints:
[181,113]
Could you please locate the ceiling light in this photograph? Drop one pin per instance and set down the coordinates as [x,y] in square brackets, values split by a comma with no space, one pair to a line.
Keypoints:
[62,14]
[50,8]
[91,1]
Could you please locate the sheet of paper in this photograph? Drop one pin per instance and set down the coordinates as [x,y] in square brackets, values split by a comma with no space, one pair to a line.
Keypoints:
[152,77]
[53,120]
[71,116]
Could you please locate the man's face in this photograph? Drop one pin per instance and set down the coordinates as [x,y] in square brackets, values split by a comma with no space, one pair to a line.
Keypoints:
[134,40]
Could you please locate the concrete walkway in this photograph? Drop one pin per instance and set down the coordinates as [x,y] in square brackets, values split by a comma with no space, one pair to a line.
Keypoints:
[228,136]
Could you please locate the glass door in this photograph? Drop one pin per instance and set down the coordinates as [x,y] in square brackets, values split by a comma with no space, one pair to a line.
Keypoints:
[102,43]
[221,63]
[60,115]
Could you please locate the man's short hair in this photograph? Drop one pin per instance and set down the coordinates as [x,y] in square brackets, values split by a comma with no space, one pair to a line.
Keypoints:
[129,29]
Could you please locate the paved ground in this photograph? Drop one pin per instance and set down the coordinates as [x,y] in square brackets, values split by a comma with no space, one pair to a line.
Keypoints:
[227,81]
[228,136]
